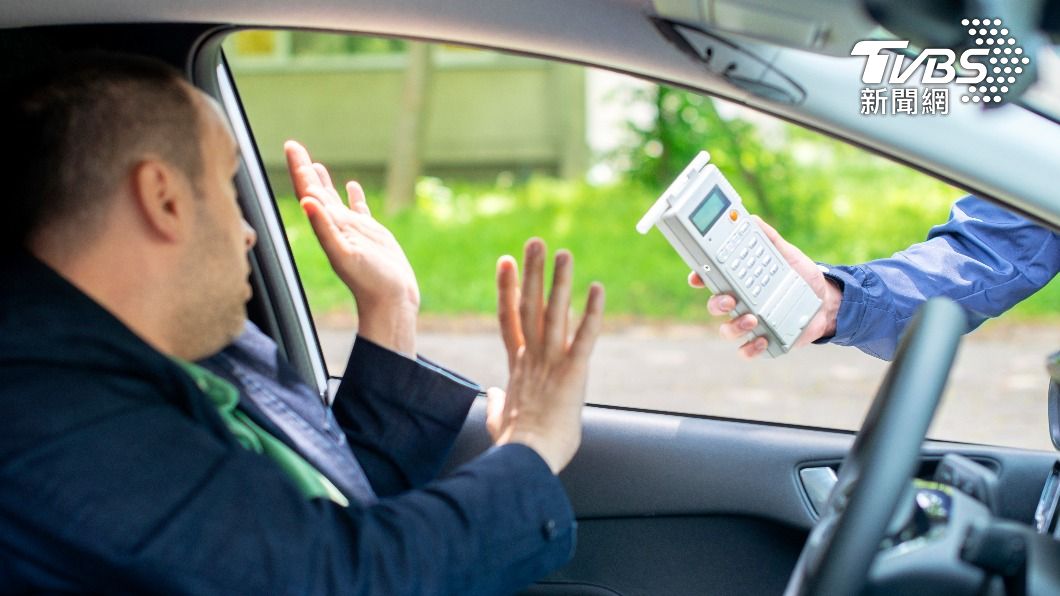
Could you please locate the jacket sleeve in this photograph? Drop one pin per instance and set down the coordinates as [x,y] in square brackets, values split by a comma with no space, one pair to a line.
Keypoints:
[400,416]
[984,258]
[135,497]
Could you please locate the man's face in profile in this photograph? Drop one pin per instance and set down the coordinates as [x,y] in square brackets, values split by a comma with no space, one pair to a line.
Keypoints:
[217,268]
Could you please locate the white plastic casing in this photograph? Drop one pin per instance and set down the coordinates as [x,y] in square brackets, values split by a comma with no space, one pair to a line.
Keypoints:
[732,255]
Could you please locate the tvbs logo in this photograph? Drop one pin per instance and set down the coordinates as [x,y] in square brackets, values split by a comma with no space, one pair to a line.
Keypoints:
[988,69]
[938,62]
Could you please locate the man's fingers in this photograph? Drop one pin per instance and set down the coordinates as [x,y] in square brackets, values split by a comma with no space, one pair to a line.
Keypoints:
[356,198]
[555,330]
[531,303]
[754,347]
[324,188]
[721,304]
[738,327]
[508,306]
[695,281]
[300,168]
[323,226]
[322,173]
[325,181]
[771,233]
[592,321]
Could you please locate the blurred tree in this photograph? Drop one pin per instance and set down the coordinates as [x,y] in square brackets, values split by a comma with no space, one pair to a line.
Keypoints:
[766,176]
[403,166]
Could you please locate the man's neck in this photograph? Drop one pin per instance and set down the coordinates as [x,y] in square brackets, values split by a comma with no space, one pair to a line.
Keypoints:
[122,281]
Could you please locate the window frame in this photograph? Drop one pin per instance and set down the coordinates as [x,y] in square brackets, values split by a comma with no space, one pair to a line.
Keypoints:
[295,325]
[279,297]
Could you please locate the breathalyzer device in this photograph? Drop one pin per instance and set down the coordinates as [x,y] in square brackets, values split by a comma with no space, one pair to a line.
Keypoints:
[706,223]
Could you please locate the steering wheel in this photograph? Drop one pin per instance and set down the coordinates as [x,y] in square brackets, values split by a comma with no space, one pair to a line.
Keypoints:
[880,466]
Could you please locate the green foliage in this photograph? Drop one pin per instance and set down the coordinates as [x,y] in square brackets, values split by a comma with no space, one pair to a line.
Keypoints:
[838,203]
[455,235]
[759,162]
[821,194]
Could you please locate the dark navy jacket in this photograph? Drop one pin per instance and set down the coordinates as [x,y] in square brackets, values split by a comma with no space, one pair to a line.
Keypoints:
[118,476]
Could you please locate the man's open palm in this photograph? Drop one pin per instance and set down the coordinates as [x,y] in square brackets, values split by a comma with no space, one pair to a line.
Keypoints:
[363,253]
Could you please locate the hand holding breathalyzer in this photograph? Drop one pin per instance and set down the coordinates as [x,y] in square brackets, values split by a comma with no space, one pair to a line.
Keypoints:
[704,219]
[821,325]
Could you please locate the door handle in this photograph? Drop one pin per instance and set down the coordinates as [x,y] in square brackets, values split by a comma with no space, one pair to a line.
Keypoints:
[818,483]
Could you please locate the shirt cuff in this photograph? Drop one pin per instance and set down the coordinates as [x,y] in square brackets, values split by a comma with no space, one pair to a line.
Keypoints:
[851,307]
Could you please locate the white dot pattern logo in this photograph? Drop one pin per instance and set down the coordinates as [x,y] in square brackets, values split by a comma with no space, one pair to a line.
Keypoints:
[989,32]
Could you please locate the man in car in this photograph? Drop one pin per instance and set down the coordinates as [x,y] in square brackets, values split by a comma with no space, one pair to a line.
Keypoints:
[126,468]
[984,258]
[370,261]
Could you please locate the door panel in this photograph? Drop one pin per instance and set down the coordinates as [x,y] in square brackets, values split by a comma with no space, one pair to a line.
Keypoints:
[672,504]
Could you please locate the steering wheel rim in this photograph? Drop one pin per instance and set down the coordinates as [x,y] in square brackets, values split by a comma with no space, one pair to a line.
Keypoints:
[881,463]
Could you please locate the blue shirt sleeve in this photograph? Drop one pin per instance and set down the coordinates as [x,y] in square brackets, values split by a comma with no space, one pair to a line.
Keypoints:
[985,258]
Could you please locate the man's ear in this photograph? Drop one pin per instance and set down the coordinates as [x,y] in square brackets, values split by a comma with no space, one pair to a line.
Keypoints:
[162,195]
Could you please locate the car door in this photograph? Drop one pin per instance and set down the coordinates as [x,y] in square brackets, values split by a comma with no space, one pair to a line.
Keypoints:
[670,499]
[692,500]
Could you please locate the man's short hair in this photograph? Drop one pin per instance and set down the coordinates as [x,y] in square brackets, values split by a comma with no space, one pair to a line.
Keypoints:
[78,127]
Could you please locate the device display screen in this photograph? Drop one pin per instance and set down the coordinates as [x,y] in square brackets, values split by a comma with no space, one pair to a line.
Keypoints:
[708,211]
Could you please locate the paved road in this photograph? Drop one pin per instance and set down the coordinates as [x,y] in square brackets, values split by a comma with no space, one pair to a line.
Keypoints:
[996,395]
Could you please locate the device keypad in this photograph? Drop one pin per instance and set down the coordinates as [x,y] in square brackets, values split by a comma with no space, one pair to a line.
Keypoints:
[734,240]
[753,266]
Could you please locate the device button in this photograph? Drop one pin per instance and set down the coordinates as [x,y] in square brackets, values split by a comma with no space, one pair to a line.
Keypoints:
[768,261]
[758,271]
[760,251]
[748,280]
[743,252]
[773,268]
[756,291]
[735,264]
[753,243]
[765,280]
[723,254]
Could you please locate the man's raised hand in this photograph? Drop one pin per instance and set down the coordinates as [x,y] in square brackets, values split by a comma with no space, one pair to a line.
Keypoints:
[363,253]
[546,389]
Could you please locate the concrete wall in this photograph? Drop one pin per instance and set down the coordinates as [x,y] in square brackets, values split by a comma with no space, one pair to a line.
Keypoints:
[485,113]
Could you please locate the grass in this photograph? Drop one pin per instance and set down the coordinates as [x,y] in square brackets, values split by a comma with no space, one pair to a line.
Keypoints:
[456,233]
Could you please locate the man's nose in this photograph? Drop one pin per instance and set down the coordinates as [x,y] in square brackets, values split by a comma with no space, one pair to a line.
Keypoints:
[249,235]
